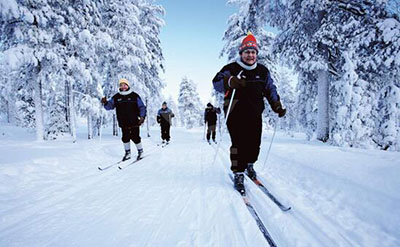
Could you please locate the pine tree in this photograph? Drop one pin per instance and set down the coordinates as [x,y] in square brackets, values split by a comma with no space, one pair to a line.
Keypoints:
[189,105]
[79,51]
[287,94]
[348,50]
[174,108]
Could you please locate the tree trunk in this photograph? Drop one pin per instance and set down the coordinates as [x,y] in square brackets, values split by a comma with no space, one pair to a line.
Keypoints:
[323,106]
[39,124]
[70,114]
[90,126]
[147,120]
[8,112]
[115,125]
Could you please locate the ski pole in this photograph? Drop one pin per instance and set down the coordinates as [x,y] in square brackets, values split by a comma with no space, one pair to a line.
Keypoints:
[147,121]
[270,145]
[204,132]
[226,118]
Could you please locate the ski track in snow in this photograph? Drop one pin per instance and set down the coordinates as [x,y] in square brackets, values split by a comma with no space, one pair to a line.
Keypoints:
[175,196]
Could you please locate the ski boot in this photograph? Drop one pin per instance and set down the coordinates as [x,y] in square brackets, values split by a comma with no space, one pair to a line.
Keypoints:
[251,172]
[238,182]
[140,154]
[127,155]
[214,141]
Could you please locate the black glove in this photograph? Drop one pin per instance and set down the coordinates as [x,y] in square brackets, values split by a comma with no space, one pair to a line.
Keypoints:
[277,107]
[234,82]
[103,100]
[141,121]
[281,112]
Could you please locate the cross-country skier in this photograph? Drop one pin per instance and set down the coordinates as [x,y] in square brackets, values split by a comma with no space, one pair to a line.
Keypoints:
[210,118]
[131,113]
[164,117]
[252,82]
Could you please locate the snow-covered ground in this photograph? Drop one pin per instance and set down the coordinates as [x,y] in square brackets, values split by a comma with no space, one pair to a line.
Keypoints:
[52,194]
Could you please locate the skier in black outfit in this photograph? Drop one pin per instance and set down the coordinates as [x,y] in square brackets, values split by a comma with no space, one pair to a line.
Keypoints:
[164,117]
[252,82]
[210,118]
[131,113]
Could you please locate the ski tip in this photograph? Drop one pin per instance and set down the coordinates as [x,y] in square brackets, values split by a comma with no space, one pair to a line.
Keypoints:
[99,168]
[256,181]
[119,167]
[286,209]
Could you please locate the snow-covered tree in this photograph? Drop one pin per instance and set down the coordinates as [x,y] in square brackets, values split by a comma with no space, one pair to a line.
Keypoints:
[189,104]
[248,19]
[284,82]
[239,24]
[61,57]
[28,34]
[174,108]
[345,53]
[307,104]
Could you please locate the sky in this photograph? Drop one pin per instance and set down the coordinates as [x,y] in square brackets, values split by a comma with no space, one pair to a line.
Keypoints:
[192,41]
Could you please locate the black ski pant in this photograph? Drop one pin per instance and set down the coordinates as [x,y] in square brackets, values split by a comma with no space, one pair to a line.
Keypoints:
[131,133]
[245,133]
[211,130]
[165,132]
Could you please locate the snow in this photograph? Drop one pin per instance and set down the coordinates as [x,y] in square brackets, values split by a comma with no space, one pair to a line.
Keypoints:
[18,55]
[9,8]
[52,194]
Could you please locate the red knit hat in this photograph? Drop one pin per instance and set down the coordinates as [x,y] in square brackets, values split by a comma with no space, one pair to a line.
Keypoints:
[249,42]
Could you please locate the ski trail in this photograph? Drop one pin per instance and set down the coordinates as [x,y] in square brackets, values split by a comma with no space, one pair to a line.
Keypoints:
[349,225]
[273,218]
[224,162]
[176,196]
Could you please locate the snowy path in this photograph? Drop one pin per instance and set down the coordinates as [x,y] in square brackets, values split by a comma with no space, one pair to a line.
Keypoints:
[53,195]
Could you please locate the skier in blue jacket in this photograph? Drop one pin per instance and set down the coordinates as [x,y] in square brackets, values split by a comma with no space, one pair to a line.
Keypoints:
[131,113]
[252,82]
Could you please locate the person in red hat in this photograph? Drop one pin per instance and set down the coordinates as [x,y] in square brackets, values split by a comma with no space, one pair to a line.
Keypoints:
[131,113]
[251,82]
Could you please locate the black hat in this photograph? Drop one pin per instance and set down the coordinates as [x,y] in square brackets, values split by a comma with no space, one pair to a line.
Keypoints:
[164,103]
[209,105]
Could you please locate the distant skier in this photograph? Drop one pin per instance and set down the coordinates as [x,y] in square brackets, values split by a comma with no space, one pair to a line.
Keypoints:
[131,113]
[252,82]
[210,118]
[164,117]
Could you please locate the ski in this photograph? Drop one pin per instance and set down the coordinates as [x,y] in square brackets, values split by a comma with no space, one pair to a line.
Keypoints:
[162,144]
[133,162]
[268,193]
[254,214]
[109,166]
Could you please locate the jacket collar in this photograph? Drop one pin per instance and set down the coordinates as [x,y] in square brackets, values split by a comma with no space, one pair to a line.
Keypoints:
[245,66]
[125,92]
